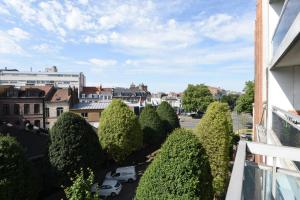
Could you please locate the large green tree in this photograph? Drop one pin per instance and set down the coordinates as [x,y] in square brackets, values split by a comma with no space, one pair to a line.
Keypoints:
[74,145]
[196,98]
[17,179]
[119,131]
[179,171]
[152,126]
[214,131]
[245,101]
[230,99]
[169,117]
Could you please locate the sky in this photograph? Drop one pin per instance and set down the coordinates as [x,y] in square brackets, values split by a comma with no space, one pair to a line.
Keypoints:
[165,44]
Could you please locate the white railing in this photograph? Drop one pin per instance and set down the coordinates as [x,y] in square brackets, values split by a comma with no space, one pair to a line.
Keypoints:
[235,189]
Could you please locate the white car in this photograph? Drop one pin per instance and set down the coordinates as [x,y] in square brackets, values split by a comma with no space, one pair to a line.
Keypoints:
[108,188]
[126,174]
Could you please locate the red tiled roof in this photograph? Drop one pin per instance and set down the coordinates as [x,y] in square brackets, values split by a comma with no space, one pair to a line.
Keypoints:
[95,90]
[45,88]
[61,95]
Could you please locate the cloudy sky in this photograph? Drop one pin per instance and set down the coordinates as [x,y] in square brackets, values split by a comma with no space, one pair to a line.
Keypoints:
[165,44]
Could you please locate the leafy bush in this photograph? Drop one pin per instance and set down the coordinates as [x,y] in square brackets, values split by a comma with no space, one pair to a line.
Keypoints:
[168,116]
[81,187]
[17,180]
[180,171]
[152,126]
[74,145]
[214,131]
[119,131]
[245,101]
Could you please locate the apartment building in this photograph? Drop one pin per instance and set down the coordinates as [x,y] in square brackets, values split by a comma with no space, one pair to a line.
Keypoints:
[26,104]
[133,94]
[95,94]
[275,172]
[51,76]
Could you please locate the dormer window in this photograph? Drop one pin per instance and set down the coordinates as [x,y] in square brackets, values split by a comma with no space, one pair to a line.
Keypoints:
[83,96]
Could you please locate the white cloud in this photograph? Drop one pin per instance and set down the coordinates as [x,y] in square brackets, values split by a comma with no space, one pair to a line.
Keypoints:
[102,62]
[8,45]
[18,34]
[46,48]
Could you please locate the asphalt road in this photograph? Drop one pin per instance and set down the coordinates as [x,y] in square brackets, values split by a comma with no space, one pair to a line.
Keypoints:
[188,122]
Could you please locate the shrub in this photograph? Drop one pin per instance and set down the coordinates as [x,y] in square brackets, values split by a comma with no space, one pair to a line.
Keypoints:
[81,187]
[180,171]
[17,180]
[119,131]
[168,116]
[74,145]
[152,126]
[214,131]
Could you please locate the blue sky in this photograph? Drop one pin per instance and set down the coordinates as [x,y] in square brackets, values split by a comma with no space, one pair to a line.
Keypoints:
[164,44]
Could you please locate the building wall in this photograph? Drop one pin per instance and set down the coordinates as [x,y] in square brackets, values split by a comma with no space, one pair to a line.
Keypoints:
[53,111]
[19,119]
[93,115]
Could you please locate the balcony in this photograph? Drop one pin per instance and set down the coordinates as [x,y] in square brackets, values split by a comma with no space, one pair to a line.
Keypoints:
[286,42]
[250,180]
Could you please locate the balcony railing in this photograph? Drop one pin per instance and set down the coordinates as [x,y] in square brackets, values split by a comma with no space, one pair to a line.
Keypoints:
[288,15]
[250,180]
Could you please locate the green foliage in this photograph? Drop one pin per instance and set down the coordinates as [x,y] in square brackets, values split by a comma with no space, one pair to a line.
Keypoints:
[245,101]
[230,99]
[169,117]
[81,187]
[214,131]
[152,126]
[196,98]
[119,131]
[180,171]
[74,145]
[17,180]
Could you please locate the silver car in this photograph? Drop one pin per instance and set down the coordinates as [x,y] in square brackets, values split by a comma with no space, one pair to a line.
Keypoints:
[108,188]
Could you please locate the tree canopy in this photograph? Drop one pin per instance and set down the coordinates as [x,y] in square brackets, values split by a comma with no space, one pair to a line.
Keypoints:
[179,171]
[169,117]
[152,126]
[230,99]
[196,98]
[245,101]
[119,131]
[74,145]
[214,131]
[17,180]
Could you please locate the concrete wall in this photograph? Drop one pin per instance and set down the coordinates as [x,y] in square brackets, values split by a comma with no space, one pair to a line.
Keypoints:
[52,111]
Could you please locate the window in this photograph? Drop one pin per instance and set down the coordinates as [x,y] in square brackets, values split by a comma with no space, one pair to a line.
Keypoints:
[6,109]
[101,97]
[83,96]
[47,112]
[59,111]
[109,97]
[84,115]
[16,109]
[105,97]
[37,123]
[36,108]
[26,109]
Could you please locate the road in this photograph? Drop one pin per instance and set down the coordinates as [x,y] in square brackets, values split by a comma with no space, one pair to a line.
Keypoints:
[188,122]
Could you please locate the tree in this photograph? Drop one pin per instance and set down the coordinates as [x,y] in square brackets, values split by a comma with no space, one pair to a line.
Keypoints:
[74,145]
[81,187]
[17,179]
[245,101]
[152,126]
[179,171]
[169,117]
[214,131]
[230,99]
[119,131]
[196,98]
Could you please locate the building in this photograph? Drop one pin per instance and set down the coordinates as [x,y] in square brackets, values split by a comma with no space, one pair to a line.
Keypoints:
[61,100]
[50,76]
[217,92]
[156,99]
[274,174]
[174,100]
[26,104]
[133,94]
[95,94]
[90,111]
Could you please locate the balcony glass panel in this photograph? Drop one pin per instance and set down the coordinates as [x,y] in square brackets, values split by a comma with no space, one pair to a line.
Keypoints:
[288,16]
[287,134]
[287,187]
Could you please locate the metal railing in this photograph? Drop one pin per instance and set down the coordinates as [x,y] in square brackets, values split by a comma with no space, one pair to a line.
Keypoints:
[238,178]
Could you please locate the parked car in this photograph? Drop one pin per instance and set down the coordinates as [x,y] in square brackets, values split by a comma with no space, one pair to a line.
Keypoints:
[108,188]
[246,136]
[125,174]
